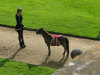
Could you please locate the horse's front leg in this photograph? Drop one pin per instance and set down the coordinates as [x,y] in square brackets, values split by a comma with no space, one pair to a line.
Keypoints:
[49,51]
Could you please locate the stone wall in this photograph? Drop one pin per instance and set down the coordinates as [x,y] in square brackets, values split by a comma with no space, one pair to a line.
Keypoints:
[86,64]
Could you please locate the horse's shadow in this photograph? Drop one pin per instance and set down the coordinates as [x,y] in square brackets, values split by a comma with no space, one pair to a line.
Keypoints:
[98,36]
[54,64]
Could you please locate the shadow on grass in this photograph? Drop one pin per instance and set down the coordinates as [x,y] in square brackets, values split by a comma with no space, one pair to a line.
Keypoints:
[54,64]
[2,63]
[98,36]
[30,66]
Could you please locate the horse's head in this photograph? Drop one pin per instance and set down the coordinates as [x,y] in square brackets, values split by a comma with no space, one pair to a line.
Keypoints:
[39,31]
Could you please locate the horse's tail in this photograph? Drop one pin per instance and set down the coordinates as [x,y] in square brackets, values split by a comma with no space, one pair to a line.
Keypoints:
[67,46]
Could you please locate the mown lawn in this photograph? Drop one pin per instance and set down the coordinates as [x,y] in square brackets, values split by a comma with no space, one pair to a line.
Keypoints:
[10,67]
[77,17]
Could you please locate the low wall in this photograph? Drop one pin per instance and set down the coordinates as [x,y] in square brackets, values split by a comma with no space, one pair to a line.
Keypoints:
[86,64]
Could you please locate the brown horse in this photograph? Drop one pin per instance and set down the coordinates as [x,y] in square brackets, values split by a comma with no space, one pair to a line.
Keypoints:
[48,37]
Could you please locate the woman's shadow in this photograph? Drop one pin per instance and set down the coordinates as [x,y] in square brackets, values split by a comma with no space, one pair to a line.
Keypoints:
[2,63]
[54,64]
[14,55]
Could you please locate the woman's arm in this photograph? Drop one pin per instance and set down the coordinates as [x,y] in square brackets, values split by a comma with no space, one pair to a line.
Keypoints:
[19,21]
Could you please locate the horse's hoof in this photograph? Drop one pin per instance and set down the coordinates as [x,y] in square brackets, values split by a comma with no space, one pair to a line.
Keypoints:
[67,55]
[48,54]
[63,54]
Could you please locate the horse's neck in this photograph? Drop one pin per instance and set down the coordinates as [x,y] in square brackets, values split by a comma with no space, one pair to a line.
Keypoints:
[45,34]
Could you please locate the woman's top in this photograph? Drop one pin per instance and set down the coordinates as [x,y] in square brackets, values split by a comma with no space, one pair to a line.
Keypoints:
[19,22]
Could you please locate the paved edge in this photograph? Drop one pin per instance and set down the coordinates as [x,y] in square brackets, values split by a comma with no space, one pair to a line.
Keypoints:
[70,35]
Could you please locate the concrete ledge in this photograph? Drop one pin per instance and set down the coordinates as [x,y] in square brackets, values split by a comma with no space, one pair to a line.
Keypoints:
[77,36]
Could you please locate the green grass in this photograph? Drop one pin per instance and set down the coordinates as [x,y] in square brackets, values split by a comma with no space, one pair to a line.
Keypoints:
[10,67]
[77,17]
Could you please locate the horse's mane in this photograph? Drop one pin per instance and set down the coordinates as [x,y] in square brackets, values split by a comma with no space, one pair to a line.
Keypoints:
[47,33]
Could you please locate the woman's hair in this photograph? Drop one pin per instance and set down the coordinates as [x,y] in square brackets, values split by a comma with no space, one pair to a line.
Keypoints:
[19,9]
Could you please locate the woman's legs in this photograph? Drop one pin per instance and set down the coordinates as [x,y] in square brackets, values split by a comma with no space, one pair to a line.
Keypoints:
[21,40]
[19,37]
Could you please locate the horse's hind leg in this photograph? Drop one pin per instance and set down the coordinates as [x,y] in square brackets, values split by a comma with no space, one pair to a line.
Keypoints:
[67,47]
[67,52]
[64,49]
[64,52]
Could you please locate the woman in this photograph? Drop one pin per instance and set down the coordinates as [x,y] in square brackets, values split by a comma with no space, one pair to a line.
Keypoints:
[19,27]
